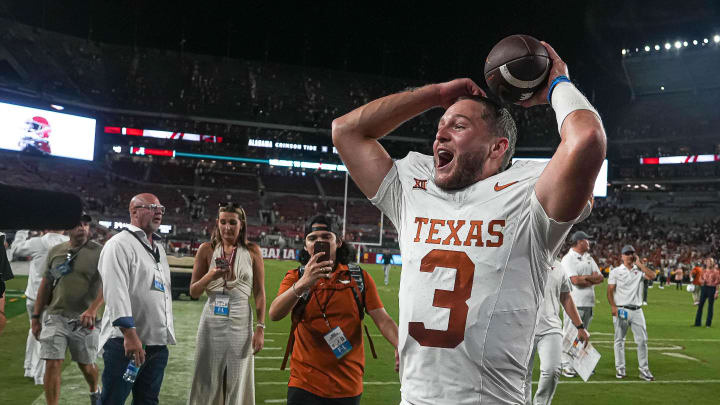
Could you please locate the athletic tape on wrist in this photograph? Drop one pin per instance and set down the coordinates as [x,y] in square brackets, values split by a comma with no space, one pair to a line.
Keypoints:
[566,99]
[555,83]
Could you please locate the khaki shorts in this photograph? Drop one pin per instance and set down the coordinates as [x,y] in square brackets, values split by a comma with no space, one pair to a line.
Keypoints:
[57,336]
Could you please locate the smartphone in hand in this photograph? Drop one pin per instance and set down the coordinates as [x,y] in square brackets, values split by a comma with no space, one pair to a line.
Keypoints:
[322,247]
[222,264]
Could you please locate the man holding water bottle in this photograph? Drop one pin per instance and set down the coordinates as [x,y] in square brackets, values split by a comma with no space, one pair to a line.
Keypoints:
[138,321]
[625,294]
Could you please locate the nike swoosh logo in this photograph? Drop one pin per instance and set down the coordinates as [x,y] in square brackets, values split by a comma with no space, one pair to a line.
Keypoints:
[498,187]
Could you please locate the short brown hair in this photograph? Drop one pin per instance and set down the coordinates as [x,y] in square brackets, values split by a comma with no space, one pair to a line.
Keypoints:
[502,121]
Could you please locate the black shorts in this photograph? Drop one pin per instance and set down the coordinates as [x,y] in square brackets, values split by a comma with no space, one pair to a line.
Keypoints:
[298,396]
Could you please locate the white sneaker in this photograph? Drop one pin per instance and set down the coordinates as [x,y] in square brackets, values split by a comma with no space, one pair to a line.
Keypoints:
[566,372]
[644,302]
[647,376]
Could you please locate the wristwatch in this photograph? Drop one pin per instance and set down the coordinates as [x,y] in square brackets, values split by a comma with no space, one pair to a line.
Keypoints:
[581,326]
[35,316]
[260,325]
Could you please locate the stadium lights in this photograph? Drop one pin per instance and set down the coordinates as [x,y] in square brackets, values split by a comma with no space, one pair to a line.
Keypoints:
[677,44]
[662,88]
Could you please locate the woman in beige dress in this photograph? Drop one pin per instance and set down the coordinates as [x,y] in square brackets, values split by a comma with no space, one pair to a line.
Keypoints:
[228,269]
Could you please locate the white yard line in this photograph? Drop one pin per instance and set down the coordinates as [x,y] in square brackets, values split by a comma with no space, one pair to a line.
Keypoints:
[535,382]
[681,356]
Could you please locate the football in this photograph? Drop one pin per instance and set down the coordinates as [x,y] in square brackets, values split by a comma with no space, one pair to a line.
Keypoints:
[516,67]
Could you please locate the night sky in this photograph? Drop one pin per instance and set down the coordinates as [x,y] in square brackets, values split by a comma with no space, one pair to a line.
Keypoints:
[433,42]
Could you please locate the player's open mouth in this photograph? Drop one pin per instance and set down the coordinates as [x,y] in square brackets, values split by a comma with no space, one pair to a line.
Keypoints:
[444,158]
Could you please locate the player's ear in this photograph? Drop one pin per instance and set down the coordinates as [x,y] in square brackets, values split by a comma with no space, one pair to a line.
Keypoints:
[499,147]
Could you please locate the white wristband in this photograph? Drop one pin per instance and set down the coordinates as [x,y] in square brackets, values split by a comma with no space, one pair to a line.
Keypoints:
[566,99]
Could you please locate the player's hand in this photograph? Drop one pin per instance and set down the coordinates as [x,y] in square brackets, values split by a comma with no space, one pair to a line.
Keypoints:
[134,349]
[258,340]
[315,270]
[614,311]
[397,361]
[36,327]
[583,336]
[558,68]
[87,319]
[450,91]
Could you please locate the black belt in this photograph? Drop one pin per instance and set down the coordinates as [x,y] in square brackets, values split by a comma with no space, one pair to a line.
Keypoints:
[630,307]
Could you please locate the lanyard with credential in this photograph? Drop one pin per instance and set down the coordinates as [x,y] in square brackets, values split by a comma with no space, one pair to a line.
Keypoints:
[324,307]
[154,253]
[231,265]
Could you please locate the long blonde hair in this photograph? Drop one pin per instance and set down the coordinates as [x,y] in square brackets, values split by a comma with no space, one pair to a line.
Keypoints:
[216,238]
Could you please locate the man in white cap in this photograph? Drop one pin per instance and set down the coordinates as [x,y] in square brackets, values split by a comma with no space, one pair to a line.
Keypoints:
[624,292]
[584,274]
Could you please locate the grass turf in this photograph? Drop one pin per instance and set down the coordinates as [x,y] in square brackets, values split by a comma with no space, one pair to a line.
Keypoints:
[669,316]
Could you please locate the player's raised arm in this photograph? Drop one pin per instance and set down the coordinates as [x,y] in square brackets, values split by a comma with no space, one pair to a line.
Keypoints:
[356,134]
[570,176]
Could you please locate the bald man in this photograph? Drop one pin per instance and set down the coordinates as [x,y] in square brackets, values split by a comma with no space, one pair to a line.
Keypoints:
[138,322]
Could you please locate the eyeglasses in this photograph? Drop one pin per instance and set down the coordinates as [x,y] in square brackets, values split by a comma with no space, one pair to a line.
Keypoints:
[153,207]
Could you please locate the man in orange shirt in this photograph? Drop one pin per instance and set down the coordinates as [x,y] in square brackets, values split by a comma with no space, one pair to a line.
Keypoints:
[696,277]
[327,299]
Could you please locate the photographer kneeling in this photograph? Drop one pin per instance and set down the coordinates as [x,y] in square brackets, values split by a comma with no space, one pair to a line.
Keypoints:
[328,296]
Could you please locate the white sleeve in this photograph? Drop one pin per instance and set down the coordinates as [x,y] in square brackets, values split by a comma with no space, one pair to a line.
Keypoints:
[388,198]
[547,232]
[114,266]
[565,285]
[24,246]
[595,267]
[612,278]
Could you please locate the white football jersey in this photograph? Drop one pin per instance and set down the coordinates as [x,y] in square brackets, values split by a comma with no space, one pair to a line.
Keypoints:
[474,268]
[549,314]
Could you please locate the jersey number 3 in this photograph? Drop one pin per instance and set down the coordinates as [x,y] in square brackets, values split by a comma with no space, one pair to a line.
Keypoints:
[454,300]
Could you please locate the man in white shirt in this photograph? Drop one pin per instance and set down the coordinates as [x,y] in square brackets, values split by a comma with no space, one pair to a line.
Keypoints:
[584,274]
[37,248]
[624,292]
[476,234]
[549,334]
[138,322]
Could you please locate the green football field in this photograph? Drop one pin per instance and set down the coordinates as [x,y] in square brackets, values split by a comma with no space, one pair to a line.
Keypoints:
[685,360]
